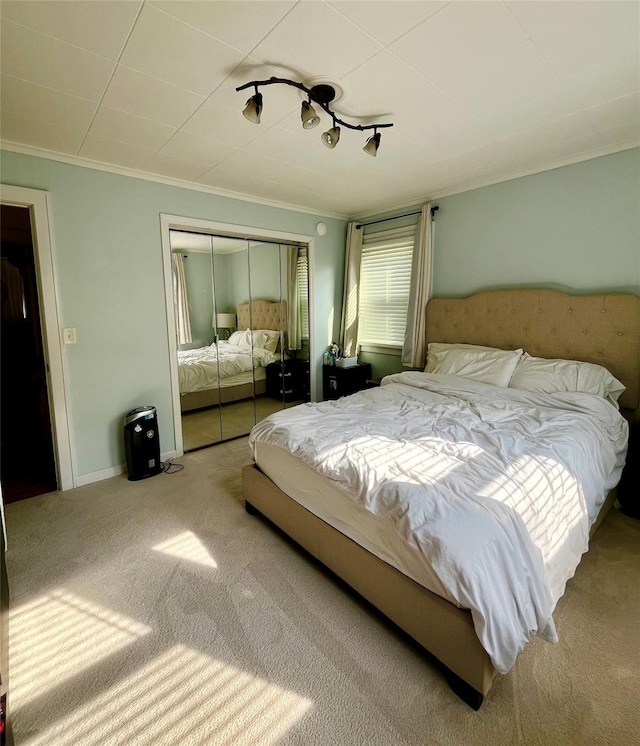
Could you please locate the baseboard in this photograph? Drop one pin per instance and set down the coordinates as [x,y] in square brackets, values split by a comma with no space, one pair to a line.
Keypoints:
[79,480]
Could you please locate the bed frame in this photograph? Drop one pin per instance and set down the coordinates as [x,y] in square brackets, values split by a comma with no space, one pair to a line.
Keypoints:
[603,329]
[258,314]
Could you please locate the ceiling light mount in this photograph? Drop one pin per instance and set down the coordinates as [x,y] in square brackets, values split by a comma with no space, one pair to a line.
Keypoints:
[321,94]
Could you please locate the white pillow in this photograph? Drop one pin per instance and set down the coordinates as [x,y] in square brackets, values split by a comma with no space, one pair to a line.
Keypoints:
[238,338]
[549,376]
[433,348]
[267,339]
[545,376]
[594,379]
[493,366]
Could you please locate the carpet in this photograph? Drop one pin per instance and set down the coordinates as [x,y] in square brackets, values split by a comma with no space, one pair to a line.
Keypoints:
[160,612]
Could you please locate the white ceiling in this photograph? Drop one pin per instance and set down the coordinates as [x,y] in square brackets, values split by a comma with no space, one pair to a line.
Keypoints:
[478,91]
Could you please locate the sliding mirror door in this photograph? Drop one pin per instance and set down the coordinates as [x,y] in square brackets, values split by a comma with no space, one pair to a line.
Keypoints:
[242,336]
[295,284]
[192,278]
[234,341]
[280,301]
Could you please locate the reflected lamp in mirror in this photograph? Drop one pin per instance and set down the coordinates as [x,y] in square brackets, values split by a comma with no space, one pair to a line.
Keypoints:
[226,322]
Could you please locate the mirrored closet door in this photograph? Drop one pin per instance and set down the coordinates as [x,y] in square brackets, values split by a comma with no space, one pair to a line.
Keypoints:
[242,326]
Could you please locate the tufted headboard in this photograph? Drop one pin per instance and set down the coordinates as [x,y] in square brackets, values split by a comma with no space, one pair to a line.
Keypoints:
[602,329]
[263,314]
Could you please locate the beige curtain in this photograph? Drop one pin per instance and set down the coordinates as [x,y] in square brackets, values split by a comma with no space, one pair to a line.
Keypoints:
[294,320]
[350,300]
[180,302]
[414,350]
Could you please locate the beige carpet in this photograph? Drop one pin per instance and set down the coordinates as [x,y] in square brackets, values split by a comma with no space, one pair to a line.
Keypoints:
[159,612]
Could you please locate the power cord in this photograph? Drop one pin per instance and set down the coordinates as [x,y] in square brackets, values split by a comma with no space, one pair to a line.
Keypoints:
[168,467]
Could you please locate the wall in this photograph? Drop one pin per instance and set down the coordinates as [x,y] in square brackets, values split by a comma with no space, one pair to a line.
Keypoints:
[110,286]
[575,228]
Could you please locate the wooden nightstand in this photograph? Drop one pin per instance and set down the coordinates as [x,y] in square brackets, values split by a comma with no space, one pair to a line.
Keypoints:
[288,380]
[337,382]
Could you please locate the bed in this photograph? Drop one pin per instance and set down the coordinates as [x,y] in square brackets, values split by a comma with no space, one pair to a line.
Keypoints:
[232,371]
[600,329]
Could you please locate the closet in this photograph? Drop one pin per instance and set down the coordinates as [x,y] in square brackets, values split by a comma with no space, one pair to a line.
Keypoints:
[242,332]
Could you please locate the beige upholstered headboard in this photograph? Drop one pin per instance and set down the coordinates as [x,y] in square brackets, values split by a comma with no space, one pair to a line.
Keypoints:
[263,314]
[601,329]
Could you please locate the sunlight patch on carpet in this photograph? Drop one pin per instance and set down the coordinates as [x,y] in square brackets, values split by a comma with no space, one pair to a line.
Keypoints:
[182,697]
[58,635]
[187,546]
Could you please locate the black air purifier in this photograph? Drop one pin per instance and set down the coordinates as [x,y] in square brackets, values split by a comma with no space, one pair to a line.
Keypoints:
[142,443]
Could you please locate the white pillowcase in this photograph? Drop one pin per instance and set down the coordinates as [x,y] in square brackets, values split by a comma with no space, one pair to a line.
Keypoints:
[594,379]
[433,348]
[486,366]
[238,338]
[263,338]
[549,376]
[544,376]
[267,339]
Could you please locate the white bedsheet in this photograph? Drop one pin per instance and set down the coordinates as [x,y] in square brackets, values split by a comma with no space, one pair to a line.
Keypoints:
[496,487]
[198,369]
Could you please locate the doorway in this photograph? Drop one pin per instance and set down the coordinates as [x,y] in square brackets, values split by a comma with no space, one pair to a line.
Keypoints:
[27,451]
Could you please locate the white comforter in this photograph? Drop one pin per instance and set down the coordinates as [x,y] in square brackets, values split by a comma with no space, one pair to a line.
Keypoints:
[496,487]
[198,369]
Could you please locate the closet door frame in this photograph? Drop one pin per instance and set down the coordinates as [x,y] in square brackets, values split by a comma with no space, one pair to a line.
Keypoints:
[229,230]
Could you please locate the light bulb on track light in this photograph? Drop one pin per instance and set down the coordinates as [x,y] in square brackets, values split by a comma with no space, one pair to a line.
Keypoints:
[330,137]
[308,115]
[373,143]
[253,109]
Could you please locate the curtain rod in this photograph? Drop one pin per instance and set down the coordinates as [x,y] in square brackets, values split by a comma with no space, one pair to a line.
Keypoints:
[434,209]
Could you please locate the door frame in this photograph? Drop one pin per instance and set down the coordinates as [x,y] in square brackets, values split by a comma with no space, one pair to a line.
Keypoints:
[37,201]
[231,230]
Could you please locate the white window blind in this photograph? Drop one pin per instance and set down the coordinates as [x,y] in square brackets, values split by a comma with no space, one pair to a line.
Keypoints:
[385,279]
[302,278]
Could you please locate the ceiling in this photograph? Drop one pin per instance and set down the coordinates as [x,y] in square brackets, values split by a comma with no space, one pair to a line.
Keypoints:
[478,92]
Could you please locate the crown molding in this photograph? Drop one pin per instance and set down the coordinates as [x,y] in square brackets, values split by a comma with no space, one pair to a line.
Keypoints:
[509,176]
[76,160]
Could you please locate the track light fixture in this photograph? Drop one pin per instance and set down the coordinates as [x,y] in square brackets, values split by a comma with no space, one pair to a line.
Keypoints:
[322,95]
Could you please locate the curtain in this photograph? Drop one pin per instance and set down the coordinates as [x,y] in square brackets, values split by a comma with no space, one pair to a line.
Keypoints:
[294,321]
[180,302]
[414,350]
[350,300]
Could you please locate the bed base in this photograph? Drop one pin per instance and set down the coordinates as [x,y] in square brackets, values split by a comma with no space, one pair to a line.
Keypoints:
[443,629]
[226,395]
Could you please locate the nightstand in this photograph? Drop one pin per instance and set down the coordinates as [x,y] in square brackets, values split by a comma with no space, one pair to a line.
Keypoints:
[628,486]
[288,380]
[337,382]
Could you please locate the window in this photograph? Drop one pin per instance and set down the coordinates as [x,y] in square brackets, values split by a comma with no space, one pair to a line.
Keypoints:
[385,280]
[302,279]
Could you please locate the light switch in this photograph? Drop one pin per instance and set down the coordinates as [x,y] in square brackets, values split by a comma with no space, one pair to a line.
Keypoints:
[69,335]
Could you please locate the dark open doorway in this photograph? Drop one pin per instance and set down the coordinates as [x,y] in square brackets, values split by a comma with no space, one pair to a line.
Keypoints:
[27,467]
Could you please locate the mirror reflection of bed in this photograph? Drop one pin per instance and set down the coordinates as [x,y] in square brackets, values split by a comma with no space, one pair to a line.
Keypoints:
[242,323]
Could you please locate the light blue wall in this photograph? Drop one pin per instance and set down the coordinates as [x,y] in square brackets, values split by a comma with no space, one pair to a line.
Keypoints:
[575,228]
[110,286]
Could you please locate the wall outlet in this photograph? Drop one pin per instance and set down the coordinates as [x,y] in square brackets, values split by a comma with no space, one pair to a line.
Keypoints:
[69,335]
